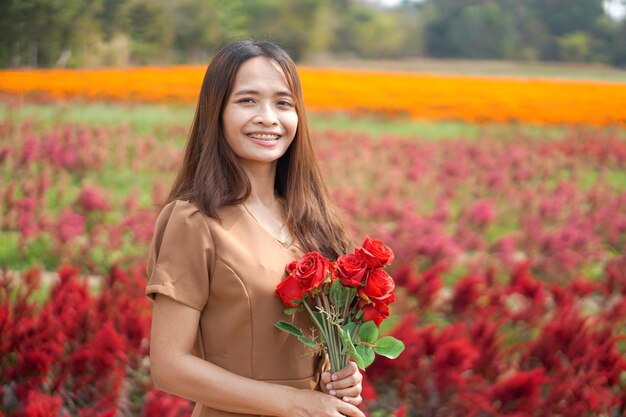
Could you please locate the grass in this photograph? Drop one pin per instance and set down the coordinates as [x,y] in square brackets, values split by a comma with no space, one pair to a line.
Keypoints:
[142,118]
[156,119]
[526,69]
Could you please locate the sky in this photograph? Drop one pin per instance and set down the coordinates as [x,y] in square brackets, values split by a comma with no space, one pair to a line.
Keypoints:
[614,8]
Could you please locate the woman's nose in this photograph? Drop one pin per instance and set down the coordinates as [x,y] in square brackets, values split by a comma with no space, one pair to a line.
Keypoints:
[266,115]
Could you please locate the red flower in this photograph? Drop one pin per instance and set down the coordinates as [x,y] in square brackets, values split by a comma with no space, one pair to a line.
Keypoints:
[400,411]
[352,270]
[451,360]
[310,270]
[42,405]
[289,291]
[376,310]
[375,253]
[520,391]
[368,392]
[379,284]
[290,267]
[376,296]
[466,292]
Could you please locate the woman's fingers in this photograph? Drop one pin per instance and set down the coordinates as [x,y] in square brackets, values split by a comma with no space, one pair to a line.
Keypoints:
[325,382]
[355,400]
[350,410]
[345,372]
[347,377]
[350,393]
[351,381]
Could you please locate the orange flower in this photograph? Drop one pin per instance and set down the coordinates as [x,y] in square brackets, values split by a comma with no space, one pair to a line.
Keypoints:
[419,96]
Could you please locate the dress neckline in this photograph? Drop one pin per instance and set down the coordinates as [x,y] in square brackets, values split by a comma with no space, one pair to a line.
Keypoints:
[284,243]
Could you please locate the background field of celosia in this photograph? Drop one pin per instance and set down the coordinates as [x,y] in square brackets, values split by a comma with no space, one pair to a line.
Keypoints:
[510,260]
[419,96]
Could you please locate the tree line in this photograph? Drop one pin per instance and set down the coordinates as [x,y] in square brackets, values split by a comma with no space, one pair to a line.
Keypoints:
[93,33]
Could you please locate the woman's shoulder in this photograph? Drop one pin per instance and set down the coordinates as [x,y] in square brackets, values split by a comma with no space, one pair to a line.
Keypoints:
[186,209]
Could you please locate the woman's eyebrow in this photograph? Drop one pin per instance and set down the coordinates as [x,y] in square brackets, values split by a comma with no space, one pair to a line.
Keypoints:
[246,92]
[255,92]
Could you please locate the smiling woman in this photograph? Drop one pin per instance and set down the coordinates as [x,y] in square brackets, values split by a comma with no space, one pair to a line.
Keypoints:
[248,199]
[259,116]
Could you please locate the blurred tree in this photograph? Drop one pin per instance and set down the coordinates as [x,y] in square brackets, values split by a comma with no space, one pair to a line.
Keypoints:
[45,33]
[119,32]
[292,24]
[150,30]
[565,17]
[196,29]
[369,32]
[618,45]
[480,29]
[574,47]
[483,31]
[111,18]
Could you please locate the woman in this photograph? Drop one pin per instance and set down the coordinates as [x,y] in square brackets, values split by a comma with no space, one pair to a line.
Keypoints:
[248,199]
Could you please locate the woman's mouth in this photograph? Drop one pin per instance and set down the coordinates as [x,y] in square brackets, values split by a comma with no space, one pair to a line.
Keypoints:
[264,136]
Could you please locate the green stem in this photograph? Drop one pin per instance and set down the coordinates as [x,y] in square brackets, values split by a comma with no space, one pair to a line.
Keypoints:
[336,358]
[328,335]
[319,325]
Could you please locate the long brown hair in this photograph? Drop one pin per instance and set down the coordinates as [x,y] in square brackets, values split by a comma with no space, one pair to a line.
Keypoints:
[210,175]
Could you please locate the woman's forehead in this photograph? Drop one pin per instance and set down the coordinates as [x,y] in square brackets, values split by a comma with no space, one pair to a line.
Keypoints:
[261,74]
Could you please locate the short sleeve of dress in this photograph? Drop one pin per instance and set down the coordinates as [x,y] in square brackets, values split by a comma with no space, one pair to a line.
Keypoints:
[179,262]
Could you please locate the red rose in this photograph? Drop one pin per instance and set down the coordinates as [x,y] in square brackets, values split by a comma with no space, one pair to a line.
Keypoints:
[352,270]
[379,284]
[376,311]
[289,291]
[375,253]
[310,271]
[290,267]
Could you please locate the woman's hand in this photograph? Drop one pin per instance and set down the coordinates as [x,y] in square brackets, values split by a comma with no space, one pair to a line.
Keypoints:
[344,384]
[307,403]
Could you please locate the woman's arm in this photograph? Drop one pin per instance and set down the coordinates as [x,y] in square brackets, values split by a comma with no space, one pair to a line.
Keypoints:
[175,369]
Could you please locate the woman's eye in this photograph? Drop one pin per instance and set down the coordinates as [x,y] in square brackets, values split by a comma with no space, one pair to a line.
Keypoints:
[285,103]
[245,100]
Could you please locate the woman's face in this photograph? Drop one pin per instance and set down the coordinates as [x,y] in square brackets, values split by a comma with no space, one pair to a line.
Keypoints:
[260,119]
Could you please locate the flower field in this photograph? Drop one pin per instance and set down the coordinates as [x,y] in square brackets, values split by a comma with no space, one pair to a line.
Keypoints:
[509,248]
[420,96]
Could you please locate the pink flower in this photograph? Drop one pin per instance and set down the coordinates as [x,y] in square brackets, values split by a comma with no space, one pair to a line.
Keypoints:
[70,225]
[92,198]
[482,213]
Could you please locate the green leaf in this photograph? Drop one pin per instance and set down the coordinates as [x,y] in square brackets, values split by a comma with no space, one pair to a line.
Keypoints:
[367,353]
[289,328]
[338,293]
[290,311]
[368,332]
[307,341]
[350,327]
[349,348]
[389,347]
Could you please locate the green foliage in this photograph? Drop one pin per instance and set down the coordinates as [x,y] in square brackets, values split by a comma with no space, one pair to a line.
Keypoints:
[368,332]
[349,348]
[574,47]
[289,328]
[45,33]
[389,347]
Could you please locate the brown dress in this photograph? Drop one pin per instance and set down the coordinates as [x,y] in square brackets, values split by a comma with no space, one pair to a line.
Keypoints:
[228,271]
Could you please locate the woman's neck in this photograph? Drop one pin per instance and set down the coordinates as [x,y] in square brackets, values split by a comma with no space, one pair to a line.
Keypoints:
[262,177]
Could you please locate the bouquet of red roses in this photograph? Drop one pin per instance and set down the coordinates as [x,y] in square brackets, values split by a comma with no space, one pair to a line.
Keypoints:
[346,299]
